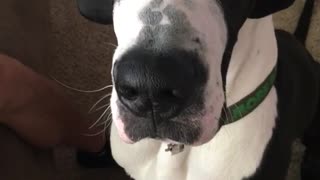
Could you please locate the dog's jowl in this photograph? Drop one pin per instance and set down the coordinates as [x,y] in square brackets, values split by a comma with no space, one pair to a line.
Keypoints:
[215,83]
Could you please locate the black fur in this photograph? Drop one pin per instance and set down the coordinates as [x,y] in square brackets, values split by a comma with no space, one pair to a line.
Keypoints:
[99,11]
[265,7]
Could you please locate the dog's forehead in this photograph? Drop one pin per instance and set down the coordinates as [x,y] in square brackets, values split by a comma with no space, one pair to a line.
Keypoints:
[165,23]
[153,13]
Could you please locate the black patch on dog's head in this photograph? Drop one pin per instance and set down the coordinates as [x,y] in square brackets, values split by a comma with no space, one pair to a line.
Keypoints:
[156,3]
[149,17]
[156,36]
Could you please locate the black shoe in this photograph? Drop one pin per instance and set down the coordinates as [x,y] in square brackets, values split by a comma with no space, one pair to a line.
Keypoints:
[102,159]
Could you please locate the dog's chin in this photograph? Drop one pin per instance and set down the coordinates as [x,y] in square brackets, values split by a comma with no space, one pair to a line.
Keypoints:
[207,134]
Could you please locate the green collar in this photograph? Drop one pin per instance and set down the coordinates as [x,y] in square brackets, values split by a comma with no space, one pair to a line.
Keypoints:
[248,104]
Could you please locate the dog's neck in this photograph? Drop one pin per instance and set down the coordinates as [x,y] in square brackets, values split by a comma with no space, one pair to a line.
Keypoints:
[253,58]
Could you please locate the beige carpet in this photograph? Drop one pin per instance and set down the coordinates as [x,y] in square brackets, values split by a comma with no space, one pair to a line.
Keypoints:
[78,53]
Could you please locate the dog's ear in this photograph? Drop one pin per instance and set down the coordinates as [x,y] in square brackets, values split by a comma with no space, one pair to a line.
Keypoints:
[99,11]
[266,7]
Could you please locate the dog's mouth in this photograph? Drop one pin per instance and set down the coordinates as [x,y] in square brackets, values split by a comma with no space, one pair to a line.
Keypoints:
[192,126]
[180,128]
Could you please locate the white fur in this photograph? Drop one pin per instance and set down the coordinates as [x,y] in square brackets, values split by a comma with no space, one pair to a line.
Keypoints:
[236,150]
[253,58]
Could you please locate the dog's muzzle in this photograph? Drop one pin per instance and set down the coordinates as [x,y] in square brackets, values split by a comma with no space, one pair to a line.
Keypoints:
[157,87]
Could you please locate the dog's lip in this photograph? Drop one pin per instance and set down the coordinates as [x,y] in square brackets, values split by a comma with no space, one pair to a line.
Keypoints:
[202,139]
[205,137]
[123,136]
[126,139]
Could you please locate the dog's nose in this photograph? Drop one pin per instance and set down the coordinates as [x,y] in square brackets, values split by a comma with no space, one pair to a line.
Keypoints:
[158,85]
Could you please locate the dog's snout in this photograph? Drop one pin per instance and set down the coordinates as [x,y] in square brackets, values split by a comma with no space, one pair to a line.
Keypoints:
[158,85]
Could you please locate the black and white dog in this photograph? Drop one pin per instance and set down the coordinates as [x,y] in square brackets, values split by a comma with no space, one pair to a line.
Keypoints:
[212,82]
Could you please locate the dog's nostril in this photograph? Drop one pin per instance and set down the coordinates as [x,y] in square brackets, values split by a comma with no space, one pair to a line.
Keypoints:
[177,93]
[173,94]
[128,93]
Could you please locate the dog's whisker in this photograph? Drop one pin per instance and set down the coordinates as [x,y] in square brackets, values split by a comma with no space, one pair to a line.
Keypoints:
[109,118]
[100,118]
[98,133]
[80,90]
[111,44]
[99,101]
[100,108]
[106,124]
[109,123]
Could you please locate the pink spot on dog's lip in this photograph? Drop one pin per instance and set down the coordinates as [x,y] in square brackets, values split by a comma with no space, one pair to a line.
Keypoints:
[120,126]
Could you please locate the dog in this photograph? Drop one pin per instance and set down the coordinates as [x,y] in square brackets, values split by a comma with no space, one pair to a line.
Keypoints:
[207,89]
